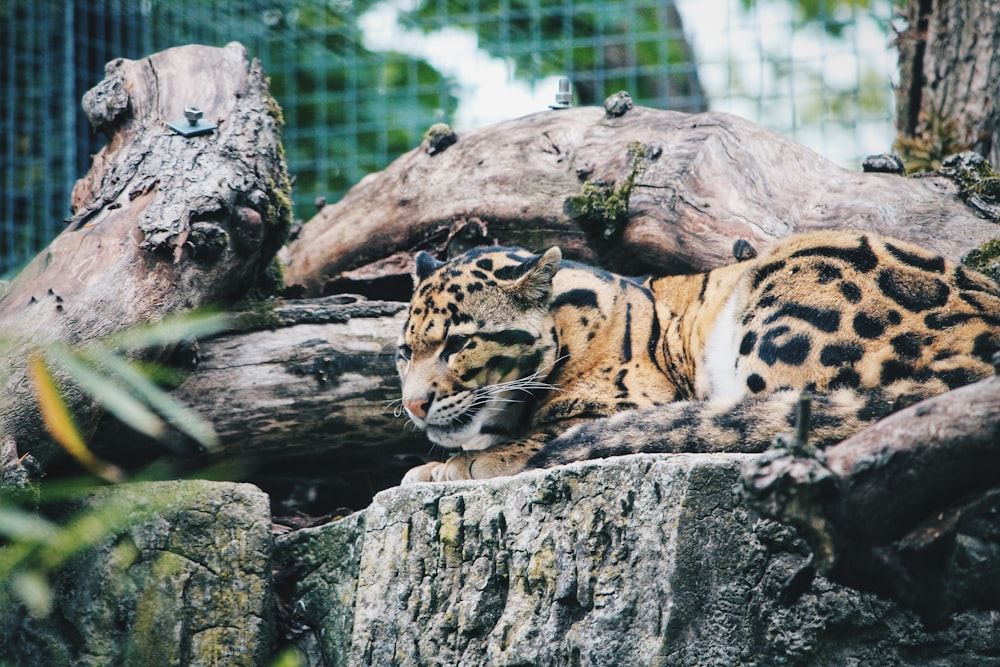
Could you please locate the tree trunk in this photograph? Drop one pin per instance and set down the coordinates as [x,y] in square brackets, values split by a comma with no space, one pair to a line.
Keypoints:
[948,99]
[161,223]
[636,189]
[925,479]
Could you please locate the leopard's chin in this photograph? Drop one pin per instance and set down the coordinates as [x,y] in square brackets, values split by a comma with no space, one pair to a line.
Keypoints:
[468,438]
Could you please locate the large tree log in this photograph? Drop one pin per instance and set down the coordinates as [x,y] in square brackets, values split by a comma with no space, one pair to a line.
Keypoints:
[636,189]
[306,392]
[949,87]
[906,508]
[161,223]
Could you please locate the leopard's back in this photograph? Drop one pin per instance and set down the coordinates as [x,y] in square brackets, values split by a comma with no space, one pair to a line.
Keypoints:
[833,310]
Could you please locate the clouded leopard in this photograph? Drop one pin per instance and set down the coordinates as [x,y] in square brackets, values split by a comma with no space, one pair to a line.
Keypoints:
[504,351]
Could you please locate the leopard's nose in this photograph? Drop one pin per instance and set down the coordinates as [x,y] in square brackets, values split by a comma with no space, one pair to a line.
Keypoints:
[418,407]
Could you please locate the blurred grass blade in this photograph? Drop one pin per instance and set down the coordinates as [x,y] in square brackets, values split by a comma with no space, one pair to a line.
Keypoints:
[174,411]
[34,591]
[18,524]
[109,394]
[59,421]
[171,330]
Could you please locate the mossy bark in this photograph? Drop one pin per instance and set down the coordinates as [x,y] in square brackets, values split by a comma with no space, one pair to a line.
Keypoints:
[162,223]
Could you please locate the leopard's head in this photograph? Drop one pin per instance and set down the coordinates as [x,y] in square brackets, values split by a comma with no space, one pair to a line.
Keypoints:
[477,344]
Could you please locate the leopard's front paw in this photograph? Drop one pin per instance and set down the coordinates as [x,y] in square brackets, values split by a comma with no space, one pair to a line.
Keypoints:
[465,465]
[454,469]
[428,472]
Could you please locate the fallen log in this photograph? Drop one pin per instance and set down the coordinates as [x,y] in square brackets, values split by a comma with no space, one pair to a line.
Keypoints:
[906,508]
[163,222]
[305,393]
[636,189]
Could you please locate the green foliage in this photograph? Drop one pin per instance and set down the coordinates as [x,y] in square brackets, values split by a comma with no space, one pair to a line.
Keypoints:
[601,208]
[34,547]
[985,259]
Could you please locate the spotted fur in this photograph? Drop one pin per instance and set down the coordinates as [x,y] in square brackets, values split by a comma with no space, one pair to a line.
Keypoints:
[523,360]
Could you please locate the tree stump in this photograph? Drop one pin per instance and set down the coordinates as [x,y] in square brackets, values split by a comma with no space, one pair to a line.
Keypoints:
[162,223]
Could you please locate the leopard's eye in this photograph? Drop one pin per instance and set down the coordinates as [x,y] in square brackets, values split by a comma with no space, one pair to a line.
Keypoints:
[454,344]
[404,352]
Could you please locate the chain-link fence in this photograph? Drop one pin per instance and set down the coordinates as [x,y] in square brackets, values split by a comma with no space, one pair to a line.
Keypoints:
[360,81]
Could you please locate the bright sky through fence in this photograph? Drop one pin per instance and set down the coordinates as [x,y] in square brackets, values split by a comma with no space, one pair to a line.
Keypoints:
[738,51]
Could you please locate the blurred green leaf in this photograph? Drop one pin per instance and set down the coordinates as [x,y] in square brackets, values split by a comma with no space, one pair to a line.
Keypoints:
[171,330]
[60,423]
[25,526]
[108,393]
[174,411]
[34,591]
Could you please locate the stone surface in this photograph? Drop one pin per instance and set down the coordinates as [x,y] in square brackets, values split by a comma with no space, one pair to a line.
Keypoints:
[645,560]
[188,582]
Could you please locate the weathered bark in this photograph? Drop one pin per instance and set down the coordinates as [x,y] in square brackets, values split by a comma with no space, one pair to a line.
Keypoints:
[949,90]
[161,223]
[691,184]
[310,388]
[926,480]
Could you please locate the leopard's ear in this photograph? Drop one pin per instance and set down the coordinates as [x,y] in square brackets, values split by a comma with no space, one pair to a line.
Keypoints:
[425,265]
[535,283]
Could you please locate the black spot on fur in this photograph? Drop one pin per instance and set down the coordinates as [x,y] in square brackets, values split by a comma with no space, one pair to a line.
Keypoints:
[923,262]
[894,317]
[907,345]
[868,327]
[704,286]
[578,298]
[510,337]
[861,258]
[470,373]
[914,294]
[793,352]
[845,378]
[766,270]
[748,343]
[945,354]
[957,377]
[472,288]
[827,273]
[971,300]
[876,406]
[514,271]
[653,342]
[485,263]
[985,346]
[841,354]
[850,291]
[620,384]
[479,274]
[974,283]
[501,363]
[755,383]
[822,318]
[626,355]
[893,369]
[767,301]
[939,321]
